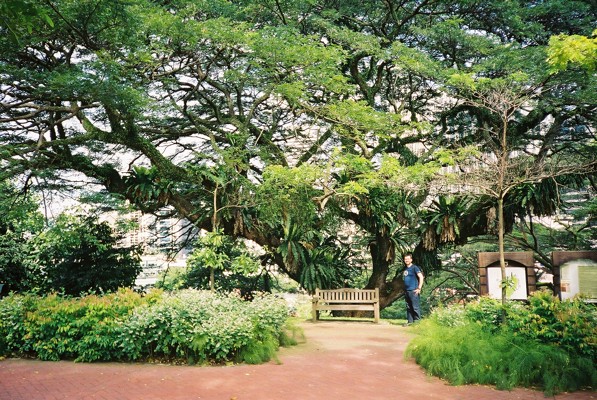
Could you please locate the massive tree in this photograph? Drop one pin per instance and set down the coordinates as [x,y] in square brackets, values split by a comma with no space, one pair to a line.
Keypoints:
[283,122]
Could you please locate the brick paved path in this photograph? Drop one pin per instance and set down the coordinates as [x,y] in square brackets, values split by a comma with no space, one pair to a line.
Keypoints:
[339,361]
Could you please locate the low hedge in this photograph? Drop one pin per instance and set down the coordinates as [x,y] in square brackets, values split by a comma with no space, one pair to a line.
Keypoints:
[192,326]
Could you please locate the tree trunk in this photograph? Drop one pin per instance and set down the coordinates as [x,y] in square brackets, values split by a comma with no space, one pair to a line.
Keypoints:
[383,256]
[501,247]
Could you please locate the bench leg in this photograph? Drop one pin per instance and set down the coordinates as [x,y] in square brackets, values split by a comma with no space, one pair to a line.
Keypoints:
[314,313]
[376,313]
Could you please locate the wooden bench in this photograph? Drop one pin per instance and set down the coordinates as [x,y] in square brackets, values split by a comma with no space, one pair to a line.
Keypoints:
[346,299]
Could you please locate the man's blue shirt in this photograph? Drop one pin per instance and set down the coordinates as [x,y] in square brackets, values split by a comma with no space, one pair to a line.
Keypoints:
[411,282]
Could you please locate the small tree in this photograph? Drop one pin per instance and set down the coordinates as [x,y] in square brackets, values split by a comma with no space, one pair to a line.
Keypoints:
[500,164]
[217,251]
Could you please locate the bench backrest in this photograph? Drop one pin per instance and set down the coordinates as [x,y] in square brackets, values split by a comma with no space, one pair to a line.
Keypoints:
[348,295]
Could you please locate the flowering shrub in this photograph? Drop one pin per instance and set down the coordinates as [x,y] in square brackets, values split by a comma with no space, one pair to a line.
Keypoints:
[449,316]
[191,325]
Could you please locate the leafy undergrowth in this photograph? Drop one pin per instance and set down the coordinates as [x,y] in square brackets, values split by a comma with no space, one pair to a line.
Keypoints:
[189,326]
[546,344]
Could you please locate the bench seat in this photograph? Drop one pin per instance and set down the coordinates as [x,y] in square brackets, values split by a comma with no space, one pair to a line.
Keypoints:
[346,299]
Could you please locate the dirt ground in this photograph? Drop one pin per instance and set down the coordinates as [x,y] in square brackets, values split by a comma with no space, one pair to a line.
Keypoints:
[338,360]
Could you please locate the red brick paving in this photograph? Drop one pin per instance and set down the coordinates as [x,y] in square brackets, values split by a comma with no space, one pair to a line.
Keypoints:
[339,361]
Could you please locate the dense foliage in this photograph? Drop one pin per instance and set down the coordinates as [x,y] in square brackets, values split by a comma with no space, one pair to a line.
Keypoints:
[81,254]
[191,326]
[546,343]
[73,253]
[19,220]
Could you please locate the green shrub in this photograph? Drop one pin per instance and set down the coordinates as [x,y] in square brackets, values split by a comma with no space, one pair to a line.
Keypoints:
[547,344]
[486,312]
[99,326]
[13,312]
[200,326]
[53,327]
[191,325]
[570,324]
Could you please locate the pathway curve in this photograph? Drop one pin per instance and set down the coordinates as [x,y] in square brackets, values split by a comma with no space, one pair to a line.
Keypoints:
[339,361]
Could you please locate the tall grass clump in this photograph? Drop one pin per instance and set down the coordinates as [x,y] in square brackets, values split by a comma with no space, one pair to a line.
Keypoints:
[192,326]
[544,344]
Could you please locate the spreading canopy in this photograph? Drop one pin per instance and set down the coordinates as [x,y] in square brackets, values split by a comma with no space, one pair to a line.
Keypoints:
[283,122]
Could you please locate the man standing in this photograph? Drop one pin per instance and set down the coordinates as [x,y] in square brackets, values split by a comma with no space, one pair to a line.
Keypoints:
[413,282]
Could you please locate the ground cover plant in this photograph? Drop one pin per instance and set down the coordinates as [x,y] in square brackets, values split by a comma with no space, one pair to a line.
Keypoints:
[546,344]
[191,326]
